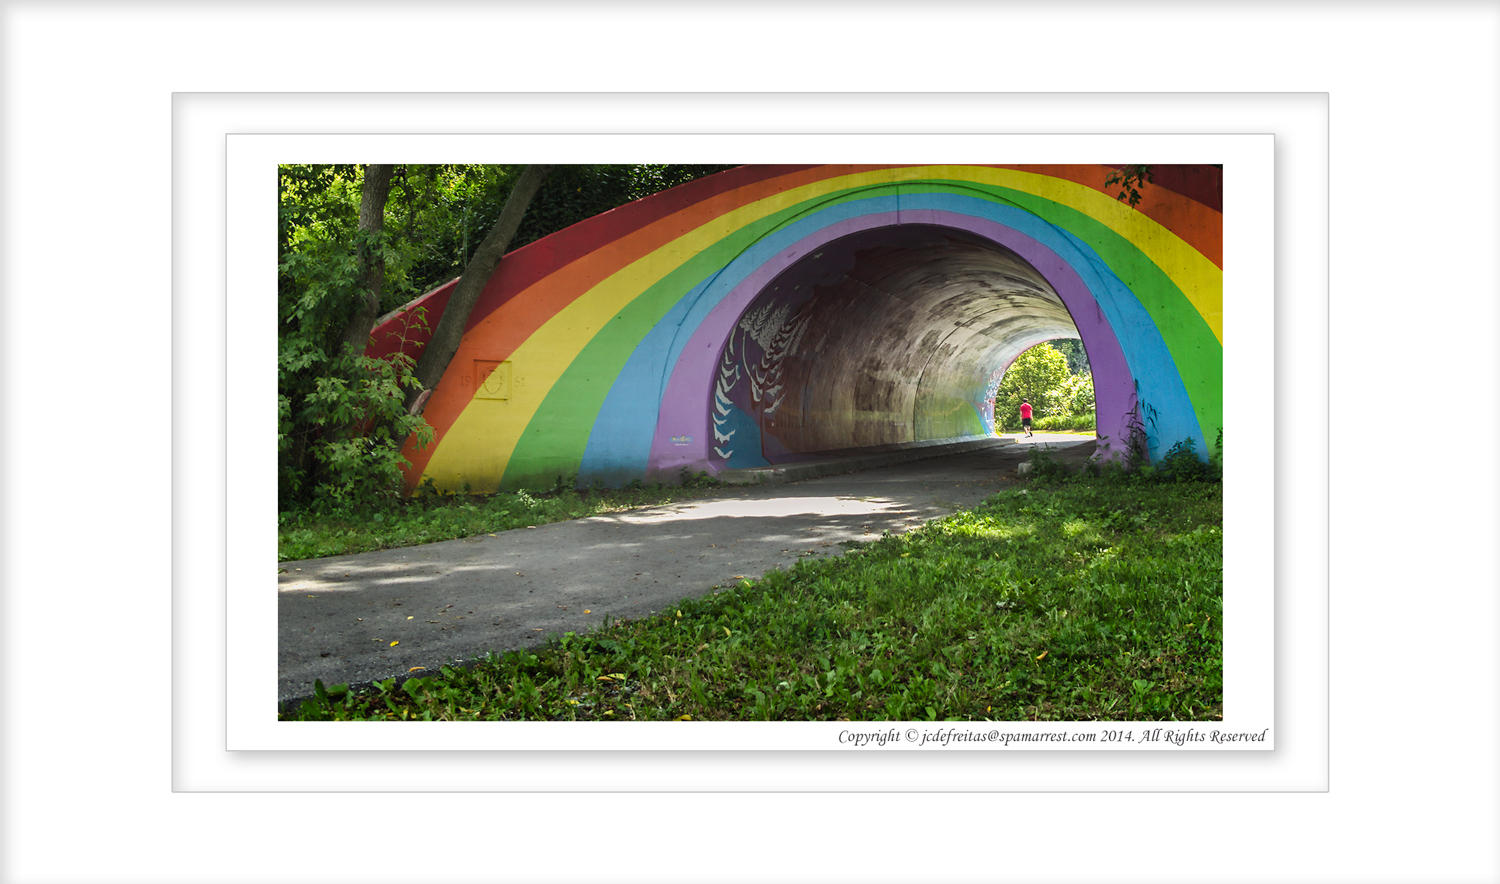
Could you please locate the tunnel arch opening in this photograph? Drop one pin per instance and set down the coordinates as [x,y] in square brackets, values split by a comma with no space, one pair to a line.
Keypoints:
[1060,387]
[888,336]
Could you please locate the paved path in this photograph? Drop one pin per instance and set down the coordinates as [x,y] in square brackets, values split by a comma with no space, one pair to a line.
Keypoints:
[457,600]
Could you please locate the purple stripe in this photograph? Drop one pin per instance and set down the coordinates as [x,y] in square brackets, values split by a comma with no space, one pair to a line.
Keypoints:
[685,402]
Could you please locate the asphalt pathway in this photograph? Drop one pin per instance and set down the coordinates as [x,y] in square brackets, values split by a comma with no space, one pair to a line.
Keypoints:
[369,616]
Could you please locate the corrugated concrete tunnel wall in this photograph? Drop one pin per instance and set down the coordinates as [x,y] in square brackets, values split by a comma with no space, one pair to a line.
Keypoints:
[889,336]
[769,312]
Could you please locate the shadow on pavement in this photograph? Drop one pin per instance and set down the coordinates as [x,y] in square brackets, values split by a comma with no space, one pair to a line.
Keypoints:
[369,616]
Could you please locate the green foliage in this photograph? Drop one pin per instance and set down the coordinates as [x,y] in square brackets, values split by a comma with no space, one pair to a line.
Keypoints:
[574,193]
[1040,375]
[341,425]
[1070,601]
[1130,180]
[318,239]
[1181,463]
[1072,348]
[1065,423]
[1055,377]
[699,479]
[1037,375]
[1076,395]
[1045,465]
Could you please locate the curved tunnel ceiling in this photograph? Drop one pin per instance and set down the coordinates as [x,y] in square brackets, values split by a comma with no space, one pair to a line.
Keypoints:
[883,337]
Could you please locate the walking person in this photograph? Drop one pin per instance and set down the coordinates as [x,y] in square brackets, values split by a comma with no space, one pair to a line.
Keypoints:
[1026,416]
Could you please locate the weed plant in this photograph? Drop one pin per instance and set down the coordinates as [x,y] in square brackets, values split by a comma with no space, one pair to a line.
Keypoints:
[1076,596]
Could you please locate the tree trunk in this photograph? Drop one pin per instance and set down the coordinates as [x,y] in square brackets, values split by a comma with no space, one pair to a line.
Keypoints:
[377,186]
[450,328]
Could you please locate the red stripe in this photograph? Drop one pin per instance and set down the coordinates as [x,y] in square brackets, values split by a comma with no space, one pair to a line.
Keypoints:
[1202,183]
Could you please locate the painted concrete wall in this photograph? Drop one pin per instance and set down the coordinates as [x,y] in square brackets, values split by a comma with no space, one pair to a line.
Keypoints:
[769,313]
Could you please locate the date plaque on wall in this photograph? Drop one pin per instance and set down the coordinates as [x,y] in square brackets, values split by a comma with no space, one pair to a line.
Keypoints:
[491,379]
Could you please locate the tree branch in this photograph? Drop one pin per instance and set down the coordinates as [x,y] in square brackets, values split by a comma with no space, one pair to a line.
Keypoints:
[376,188]
[450,328]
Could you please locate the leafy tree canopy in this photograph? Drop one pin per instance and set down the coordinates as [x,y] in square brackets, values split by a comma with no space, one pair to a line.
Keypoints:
[1041,375]
[342,425]
[1072,349]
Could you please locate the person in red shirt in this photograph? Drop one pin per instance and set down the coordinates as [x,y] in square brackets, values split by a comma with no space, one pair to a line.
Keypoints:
[1026,416]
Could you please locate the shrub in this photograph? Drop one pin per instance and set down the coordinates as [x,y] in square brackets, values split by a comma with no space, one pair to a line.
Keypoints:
[1065,422]
[1182,464]
[342,429]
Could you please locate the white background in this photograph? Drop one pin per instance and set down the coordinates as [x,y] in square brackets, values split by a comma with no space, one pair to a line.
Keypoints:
[88,558]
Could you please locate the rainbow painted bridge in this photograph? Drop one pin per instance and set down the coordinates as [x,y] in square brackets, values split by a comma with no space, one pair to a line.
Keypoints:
[774,313]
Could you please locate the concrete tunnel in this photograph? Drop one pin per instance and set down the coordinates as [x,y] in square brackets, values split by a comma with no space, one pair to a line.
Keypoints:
[772,313]
[889,336]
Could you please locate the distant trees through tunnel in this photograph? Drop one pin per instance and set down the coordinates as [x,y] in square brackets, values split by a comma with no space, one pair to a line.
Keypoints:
[1055,378]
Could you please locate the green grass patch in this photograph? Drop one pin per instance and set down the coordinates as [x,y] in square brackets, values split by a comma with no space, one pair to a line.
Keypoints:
[1071,598]
[433,517]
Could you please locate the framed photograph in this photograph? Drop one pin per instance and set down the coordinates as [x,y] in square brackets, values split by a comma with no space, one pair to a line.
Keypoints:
[143,149]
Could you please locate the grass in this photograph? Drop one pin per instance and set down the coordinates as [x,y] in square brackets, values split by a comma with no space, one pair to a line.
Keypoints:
[434,517]
[1071,598]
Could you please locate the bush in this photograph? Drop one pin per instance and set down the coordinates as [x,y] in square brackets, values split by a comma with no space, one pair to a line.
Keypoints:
[343,425]
[1181,464]
[1065,422]
[1044,465]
